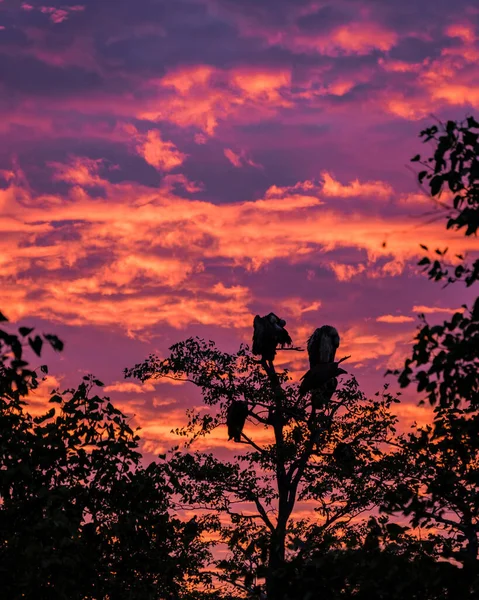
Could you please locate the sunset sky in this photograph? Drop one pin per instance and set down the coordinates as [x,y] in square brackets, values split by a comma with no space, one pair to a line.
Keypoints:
[171,168]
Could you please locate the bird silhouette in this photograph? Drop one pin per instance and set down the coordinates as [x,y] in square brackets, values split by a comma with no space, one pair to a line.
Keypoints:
[319,375]
[268,333]
[235,419]
[322,345]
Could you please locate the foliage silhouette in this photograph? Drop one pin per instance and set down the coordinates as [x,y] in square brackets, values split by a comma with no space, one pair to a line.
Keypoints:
[255,493]
[436,470]
[80,517]
[445,358]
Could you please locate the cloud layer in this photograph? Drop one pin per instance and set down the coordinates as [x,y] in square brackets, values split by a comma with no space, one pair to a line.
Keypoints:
[174,169]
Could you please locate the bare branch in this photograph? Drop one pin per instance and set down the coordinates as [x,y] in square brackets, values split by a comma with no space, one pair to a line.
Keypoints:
[254,444]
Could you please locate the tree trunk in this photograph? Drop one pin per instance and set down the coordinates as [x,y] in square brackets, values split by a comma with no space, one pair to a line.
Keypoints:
[275,582]
[470,565]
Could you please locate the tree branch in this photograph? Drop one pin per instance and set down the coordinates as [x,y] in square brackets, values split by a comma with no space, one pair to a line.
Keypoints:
[254,444]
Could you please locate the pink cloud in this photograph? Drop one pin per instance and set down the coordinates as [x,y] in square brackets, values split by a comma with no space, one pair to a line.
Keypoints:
[56,15]
[464,31]
[359,37]
[239,160]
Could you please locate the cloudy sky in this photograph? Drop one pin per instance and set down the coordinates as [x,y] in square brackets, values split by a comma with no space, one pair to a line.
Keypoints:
[172,168]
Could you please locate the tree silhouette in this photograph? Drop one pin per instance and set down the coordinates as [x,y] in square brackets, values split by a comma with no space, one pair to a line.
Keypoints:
[436,470]
[255,494]
[445,358]
[80,517]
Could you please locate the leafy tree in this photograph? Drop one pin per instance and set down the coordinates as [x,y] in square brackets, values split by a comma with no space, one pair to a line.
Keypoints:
[255,494]
[376,560]
[436,486]
[431,475]
[436,470]
[445,358]
[80,517]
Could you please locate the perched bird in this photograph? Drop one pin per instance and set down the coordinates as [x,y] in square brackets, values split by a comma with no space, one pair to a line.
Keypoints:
[191,529]
[322,345]
[268,333]
[235,419]
[319,375]
[324,393]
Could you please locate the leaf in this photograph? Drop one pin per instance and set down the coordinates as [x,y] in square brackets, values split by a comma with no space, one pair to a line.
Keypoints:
[54,342]
[98,382]
[56,398]
[3,317]
[424,247]
[416,158]
[36,344]
[24,331]
[424,261]
[421,176]
[44,369]
[436,184]
[450,126]
[471,122]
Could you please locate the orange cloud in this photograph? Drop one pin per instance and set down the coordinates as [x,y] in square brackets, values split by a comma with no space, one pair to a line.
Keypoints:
[161,155]
[198,98]
[346,272]
[155,248]
[363,345]
[129,387]
[449,79]
[410,413]
[429,310]
[235,159]
[80,171]
[362,38]
[39,399]
[357,37]
[332,187]
[261,84]
[297,306]
[395,319]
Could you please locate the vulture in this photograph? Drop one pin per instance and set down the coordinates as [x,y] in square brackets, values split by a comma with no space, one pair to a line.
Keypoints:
[319,375]
[235,419]
[326,392]
[322,345]
[268,332]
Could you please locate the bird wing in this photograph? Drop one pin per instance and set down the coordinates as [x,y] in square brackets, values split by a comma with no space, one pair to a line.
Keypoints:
[259,333]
